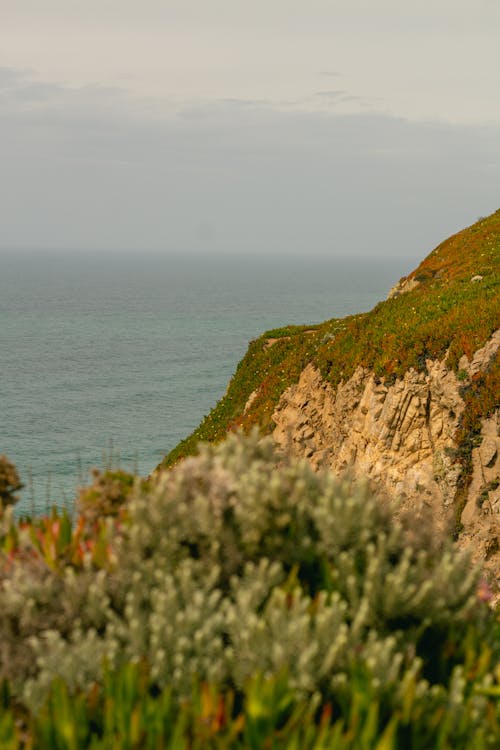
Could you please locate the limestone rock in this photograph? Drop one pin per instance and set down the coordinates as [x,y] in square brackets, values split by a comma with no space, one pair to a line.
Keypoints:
[403,286]
[402,436]
[483,356]
[250,400]
[481,514]
[396,435]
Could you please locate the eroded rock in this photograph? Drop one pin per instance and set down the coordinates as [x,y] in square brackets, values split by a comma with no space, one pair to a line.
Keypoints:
[402,436]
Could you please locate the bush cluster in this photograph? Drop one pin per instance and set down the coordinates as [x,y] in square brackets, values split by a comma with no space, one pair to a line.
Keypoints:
[230,566]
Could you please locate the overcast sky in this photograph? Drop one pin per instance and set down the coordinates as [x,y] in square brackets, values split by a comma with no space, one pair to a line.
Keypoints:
[305,126]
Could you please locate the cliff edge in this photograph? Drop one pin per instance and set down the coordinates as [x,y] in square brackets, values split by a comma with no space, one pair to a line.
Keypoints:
[407,394]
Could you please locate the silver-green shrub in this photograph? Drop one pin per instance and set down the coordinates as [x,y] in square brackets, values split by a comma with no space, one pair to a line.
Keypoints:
[236,562]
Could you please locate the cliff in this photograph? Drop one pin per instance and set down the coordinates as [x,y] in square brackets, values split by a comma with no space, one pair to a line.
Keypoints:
[407,394]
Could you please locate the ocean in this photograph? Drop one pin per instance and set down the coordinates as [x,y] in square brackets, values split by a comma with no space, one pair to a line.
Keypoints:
[112,358]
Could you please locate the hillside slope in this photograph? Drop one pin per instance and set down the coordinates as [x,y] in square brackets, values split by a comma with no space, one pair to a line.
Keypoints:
[406,394]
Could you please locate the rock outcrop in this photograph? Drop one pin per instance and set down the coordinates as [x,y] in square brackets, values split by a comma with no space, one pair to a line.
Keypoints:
[480,517]
[403,286]
[402,437]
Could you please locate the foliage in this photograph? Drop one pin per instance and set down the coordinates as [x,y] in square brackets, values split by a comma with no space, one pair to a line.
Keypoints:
[54,542]
[37,557]
[106,495]
[264,371]
[126,712]
[228,570]
[9,483]
[446,314]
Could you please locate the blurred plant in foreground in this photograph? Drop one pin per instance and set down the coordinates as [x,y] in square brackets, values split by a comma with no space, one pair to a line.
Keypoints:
[238,569]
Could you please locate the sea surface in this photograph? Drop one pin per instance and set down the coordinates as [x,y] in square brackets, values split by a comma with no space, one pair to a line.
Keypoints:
[112,358]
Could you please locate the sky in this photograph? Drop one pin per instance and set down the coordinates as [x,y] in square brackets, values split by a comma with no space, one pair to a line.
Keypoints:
[337,127]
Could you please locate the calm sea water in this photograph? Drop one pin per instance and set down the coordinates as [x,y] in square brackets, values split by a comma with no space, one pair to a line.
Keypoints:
[124,354]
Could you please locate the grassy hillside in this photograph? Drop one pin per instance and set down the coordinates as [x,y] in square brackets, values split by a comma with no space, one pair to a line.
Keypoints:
[444,313]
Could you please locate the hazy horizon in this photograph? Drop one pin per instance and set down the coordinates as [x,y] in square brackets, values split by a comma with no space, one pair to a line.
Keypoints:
[294,128]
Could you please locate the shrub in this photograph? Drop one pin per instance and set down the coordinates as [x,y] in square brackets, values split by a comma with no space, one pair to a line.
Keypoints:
[105,496]
[9,483]
[230,566]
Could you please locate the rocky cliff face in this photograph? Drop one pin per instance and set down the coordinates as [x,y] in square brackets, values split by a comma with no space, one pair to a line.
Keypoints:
[403,437]
[406,394]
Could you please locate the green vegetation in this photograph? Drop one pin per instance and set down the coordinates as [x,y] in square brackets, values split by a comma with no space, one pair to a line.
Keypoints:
[265,370]
[229,603]
[9,483]
[126,712]
[447,314]
[106,495]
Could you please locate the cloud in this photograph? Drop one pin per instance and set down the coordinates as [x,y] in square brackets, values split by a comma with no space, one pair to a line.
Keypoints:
[93,167]
[334,94]
[11,76]
[22,94]
[234,102]
[330,73]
